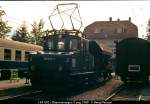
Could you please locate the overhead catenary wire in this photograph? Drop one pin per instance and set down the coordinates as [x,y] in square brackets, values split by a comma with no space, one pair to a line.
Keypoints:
[17,19]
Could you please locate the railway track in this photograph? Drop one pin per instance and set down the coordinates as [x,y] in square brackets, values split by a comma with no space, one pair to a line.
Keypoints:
[37,95]
[121,93]
[126,93]
[115,92]
[46,95]
[145,94]
[19,95]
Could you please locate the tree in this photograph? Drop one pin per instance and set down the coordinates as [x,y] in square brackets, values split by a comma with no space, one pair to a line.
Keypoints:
[4,28]
[22,34]
[148,30]
[37,31]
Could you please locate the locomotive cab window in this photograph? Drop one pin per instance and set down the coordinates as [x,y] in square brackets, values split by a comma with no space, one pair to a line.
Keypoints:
[73,44]
[61,45]
[7,54]
[50,44]
[18,55]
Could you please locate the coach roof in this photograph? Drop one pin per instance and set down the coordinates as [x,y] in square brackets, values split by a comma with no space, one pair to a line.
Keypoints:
[19,45]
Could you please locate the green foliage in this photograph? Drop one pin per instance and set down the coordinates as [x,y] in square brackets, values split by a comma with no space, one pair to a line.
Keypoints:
[37,32]
[21,34]
[2,12]
[148,30]
[4,28]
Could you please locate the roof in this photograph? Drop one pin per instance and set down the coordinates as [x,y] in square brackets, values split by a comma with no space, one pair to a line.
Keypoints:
[138,41]
[19,45]
[109,27]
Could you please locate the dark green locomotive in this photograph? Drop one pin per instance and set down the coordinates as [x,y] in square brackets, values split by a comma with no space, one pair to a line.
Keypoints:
[133,57]
[67,59]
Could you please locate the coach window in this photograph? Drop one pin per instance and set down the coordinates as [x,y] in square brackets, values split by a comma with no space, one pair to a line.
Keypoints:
[73,44]
[26,56]
[7,54]
[18,55]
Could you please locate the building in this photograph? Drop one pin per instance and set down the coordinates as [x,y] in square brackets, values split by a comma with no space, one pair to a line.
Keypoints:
[106,33]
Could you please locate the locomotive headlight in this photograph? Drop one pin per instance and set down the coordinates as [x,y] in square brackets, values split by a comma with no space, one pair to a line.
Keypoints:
[73,62]
[60,68]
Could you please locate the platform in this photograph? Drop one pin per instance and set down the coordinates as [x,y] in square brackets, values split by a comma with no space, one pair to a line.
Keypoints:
[6,84]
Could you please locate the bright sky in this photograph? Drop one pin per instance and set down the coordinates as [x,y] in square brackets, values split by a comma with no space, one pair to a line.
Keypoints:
[90,11]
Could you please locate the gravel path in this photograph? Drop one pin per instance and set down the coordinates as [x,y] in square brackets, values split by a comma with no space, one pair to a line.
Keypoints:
[100,93]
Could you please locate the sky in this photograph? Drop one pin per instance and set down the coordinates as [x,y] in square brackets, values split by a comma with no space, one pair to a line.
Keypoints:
[90,11]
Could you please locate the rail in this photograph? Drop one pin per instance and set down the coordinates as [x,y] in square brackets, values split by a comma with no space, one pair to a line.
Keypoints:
[19,95]
[115,92]
[127,93]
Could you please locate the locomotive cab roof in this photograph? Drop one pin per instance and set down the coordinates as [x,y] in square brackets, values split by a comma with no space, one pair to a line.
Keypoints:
[66,32]
[63,40]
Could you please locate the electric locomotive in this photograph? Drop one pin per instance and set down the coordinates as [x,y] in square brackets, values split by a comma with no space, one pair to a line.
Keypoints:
[66,60]
[68,57]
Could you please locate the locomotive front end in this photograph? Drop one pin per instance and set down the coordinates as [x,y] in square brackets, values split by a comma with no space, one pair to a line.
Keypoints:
[66,58]
[51,69]
[53,66]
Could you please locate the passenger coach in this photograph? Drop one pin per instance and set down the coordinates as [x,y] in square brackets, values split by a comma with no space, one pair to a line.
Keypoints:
[14,56]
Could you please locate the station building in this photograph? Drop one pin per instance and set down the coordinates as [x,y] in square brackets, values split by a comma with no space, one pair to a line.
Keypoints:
[107,33]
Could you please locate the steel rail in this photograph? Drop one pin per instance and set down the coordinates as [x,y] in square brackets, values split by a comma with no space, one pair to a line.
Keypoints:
[120,88]
[19,95]
[140,98]
[115,93]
